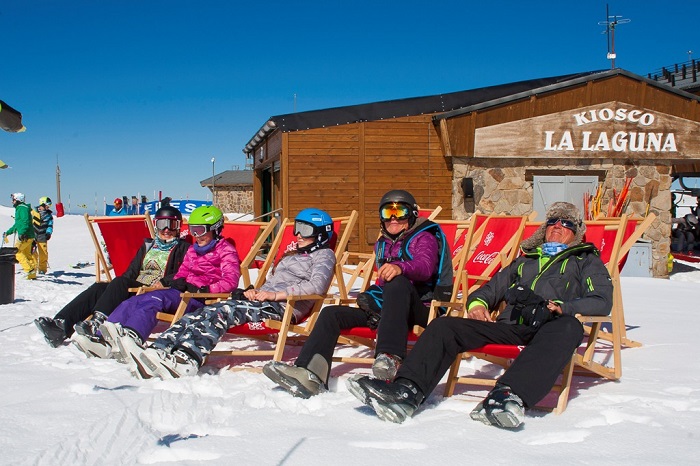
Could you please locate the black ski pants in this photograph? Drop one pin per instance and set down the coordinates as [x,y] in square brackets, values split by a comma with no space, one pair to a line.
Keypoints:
[103,297]
[401,310]
[532,374]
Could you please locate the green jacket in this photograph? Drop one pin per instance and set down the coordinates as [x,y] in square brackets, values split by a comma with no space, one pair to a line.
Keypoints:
[23,222]
[575,278]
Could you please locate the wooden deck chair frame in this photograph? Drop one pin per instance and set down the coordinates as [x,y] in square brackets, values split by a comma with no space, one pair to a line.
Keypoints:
[103,267]
[630,237]
[278,332]
[617,336]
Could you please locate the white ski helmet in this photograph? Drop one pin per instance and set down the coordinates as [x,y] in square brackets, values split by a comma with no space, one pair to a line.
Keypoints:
[17,197]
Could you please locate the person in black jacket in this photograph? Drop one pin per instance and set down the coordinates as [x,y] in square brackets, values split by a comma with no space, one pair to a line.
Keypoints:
[155,264]
[555,278]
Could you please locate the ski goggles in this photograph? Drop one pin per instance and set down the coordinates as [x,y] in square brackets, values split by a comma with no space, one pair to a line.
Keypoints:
[303,229]
[171,224]
[565,222]
[200,230]
[400,211]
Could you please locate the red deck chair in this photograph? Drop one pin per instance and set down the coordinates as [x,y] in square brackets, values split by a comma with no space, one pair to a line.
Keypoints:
[122,236]
[277,332]
[606,234]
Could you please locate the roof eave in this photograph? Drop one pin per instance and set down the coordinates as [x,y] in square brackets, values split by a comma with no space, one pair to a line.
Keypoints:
[268,128]
[558,86]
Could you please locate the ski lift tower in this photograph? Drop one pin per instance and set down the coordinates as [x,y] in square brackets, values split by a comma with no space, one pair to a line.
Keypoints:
[610,24]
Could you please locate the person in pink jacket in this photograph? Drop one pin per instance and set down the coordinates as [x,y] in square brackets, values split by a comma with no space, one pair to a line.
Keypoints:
[211,265]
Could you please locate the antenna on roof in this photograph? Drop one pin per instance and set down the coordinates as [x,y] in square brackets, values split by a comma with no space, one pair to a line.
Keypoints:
[611,22]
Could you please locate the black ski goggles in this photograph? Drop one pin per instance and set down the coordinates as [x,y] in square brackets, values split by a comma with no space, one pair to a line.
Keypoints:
[397,210]
[171,224]
[303,229]
[200,230]
[565,222]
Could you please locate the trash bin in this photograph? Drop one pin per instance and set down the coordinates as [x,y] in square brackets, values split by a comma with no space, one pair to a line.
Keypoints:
[7,275]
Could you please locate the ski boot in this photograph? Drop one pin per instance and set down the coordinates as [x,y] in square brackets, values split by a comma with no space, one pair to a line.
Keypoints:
[298,381]
[52,329]
[392,401]
[500,408]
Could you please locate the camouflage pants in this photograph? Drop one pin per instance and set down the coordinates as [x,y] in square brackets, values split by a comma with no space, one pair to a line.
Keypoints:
[197,333]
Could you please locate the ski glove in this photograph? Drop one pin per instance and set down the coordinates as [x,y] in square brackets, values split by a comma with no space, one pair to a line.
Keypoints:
[528,307]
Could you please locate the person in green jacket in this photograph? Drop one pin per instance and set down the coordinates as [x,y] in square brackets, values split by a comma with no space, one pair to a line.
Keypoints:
[25,231]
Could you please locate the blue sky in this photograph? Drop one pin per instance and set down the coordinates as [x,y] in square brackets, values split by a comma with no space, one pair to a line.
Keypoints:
[136,97]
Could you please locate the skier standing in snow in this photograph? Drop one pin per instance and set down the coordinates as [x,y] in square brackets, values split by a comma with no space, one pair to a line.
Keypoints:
[43,229]
[554,279]
[154,264]
[25,231]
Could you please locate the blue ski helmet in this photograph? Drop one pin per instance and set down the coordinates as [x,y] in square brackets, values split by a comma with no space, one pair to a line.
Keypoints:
[314,223]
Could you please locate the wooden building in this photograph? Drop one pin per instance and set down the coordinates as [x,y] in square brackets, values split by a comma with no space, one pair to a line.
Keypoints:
[509,148]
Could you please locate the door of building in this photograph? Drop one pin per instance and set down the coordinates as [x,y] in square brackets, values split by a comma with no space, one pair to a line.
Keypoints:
[549,189]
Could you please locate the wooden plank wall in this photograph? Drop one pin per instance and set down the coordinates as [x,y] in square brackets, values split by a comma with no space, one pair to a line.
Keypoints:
[351,166]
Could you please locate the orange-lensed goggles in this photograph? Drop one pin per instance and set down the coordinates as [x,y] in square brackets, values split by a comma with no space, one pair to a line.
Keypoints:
[396,210]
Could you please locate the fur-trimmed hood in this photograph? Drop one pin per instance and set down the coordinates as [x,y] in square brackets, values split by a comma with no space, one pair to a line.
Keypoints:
[563,210]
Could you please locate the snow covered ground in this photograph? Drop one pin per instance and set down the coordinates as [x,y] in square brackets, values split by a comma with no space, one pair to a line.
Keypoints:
[60,408]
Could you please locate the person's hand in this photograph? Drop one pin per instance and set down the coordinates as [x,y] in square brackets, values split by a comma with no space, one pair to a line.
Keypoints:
[5,239]
[479,313]
[259,295]
[388,272]
[554,308]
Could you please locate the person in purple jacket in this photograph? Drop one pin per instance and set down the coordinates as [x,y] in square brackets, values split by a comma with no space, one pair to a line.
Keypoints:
[413,265]
[211,265]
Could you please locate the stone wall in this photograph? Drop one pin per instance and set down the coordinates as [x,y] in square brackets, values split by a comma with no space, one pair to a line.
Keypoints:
[235,199]
[500,185]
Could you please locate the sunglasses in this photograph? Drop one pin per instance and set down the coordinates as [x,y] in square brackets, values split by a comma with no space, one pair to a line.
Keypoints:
[565,222]
[167,224]
[303,229]
[199,230]
[400,211]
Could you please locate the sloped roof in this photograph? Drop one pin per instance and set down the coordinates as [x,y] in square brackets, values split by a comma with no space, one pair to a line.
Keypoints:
[399,108]
[229,178]
[444,105]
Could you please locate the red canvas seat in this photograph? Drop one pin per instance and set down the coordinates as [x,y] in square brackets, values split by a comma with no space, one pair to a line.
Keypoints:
[122,236]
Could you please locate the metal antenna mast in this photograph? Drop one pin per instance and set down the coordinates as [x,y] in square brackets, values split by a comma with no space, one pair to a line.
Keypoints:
[611,22]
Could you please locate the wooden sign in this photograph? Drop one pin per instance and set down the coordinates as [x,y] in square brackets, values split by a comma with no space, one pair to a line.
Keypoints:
[609,130]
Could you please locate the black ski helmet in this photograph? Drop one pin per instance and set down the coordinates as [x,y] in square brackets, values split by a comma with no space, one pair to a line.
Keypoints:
[171,213]
[399,196]
[168,211]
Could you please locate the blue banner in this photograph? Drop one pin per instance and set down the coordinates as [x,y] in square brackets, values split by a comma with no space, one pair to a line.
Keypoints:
[184,206]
